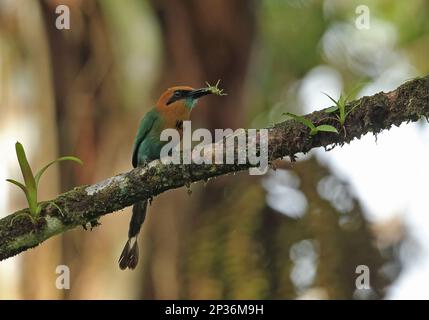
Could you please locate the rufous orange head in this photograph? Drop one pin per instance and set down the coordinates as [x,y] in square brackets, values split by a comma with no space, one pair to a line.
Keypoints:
[181,96]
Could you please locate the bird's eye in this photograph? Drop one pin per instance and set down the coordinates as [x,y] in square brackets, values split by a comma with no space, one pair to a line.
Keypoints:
[177,94]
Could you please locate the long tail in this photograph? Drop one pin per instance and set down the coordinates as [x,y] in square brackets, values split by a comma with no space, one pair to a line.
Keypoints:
[130,254]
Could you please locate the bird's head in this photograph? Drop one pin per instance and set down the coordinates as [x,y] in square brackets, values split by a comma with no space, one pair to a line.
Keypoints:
[181,96]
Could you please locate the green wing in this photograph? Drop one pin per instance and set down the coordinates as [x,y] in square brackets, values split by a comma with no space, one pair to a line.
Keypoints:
[146,125]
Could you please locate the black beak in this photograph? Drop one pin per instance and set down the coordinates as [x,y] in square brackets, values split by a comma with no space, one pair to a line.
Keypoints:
[198,93]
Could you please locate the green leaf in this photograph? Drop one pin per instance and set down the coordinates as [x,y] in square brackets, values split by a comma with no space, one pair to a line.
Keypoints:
[326,128]
[342,100]
[331,109]
[19,184]
[25,167]
[313,131]
[351,109]
[30,183]
[30,200]
[67,158]
[332,99]
[301,119]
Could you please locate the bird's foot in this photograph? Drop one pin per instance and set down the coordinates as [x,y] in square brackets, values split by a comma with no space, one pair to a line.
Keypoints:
[187,174]
[92,224]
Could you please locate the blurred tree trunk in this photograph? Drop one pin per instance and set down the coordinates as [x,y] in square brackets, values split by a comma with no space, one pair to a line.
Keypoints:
[203,41]
[88,116]
[28,117]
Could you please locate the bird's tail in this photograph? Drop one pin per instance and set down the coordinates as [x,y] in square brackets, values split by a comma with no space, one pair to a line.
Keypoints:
[130,254]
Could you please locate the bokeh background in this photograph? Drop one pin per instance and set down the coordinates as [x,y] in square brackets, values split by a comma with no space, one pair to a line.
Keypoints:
[298,232]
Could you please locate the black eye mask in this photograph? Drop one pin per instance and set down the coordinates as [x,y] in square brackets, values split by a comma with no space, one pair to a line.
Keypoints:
[183,94]
[178,95]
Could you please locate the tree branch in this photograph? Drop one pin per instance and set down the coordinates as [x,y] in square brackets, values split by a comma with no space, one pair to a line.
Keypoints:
[86,204]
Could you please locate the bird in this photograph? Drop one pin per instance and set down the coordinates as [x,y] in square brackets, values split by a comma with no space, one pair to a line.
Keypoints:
[173,107]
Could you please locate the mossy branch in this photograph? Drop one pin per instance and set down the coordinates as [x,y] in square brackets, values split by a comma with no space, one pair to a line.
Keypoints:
[86,204]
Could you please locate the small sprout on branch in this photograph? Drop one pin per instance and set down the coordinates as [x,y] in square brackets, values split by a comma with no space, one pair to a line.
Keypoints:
[215,89]
[31,182]
[340,105]
[313,129]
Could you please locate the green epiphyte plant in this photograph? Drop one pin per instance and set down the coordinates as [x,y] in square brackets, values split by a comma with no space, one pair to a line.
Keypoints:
[340,105]
[313,129]
[31,182]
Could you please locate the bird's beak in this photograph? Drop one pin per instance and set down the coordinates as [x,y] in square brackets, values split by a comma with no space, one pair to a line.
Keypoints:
[198,93]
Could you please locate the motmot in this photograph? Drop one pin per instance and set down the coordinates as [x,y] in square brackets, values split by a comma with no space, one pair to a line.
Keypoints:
[173,107]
